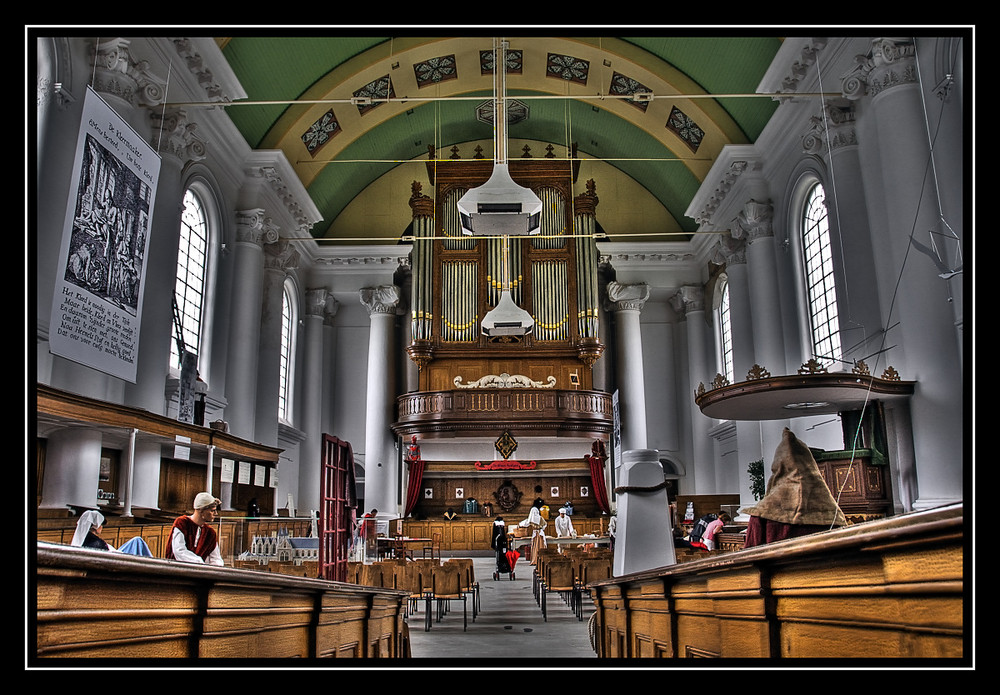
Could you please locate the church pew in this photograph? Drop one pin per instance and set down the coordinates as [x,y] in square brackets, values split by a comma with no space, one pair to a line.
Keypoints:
[884,589]
[95,604]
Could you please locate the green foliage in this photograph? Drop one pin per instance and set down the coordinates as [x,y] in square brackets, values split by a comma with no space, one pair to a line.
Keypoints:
[756,471]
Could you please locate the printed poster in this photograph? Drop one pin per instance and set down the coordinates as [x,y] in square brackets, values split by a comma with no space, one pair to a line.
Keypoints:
[97,304]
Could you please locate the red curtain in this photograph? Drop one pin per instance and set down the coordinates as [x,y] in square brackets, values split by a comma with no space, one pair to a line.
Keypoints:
[597,481]
[414,485]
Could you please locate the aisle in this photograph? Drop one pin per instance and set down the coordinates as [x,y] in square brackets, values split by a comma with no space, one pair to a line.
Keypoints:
[509,623]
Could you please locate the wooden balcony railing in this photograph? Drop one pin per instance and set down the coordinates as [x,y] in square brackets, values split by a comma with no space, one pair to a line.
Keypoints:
[539,412]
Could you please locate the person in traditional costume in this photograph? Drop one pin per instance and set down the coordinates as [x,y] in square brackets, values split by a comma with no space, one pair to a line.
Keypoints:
[88,531]
[537,525]
[192,538]
[88,535]
[797,501]
[564,525]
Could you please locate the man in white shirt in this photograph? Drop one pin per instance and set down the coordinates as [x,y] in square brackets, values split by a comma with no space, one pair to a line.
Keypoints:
[192,538]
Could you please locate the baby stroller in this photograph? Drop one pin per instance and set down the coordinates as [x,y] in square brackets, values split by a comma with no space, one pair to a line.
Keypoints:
[506,557]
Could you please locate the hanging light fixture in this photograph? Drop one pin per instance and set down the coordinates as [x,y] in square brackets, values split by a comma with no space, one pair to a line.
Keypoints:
[502,208]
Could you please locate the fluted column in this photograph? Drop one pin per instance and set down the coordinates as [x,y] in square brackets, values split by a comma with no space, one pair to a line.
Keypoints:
[626,302]
[313,382]
[380,458]
[689,302]
[887,79]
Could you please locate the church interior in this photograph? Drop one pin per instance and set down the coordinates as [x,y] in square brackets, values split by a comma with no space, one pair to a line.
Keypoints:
[315,275]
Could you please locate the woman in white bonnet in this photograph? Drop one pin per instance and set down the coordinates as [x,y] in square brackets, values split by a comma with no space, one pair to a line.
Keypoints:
[537,524]
[88,535]
[88,531]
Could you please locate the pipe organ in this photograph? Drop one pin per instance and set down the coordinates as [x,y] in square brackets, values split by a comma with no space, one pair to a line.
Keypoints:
[457,279]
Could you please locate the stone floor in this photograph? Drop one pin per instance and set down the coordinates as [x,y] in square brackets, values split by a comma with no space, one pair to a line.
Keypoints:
[509,624]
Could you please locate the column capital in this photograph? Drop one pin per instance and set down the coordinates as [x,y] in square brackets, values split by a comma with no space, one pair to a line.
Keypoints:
[119,74]
[688,298]
[253,226]
[834,128]
[280,255]
[627,297]
[174,134]
[754,221]
[890,63]
[315,302]
[380,300]
[729,250]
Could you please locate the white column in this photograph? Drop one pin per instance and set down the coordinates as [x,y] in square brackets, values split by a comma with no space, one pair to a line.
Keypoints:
[380,457]
[742,325]
[644,537]
[926,331]
[72,468]
[626,303]
[252,227]
[756,226]
[279,258]
[311,415]
[689,302]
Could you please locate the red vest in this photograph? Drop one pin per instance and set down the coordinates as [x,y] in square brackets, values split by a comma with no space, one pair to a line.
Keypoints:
[206,543]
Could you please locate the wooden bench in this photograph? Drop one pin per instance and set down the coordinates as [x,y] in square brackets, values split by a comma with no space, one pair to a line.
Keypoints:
[91,603]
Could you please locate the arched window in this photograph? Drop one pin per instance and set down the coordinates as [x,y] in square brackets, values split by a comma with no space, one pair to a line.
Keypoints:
[189,290]
[821,292]
[289,320]
[725,335]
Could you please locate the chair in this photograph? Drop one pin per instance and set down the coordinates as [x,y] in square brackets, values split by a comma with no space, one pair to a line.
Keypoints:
[447,587]
[469,584]
[434,548]
[559,576]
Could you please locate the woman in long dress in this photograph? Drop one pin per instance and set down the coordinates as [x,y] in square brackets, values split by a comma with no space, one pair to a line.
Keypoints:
[537,524]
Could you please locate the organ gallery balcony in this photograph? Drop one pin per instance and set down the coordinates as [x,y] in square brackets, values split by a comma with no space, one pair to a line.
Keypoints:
[486,411]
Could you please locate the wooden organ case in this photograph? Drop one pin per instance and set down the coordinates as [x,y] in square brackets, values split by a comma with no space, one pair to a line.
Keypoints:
[473,384]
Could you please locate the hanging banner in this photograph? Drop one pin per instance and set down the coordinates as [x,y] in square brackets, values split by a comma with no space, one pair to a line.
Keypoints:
[97,303]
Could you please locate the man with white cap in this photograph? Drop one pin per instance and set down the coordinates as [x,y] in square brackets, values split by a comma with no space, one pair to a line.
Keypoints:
[192,538]
[564,525]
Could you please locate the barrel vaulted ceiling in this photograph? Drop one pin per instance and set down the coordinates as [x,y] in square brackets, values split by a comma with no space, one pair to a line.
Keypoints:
[322,100]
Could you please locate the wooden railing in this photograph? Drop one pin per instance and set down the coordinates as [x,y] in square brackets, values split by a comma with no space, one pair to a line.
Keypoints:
[539,411]
[883,589]
[98,604]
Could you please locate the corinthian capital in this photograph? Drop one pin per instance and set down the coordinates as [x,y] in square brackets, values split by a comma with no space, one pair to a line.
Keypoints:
[627,297]
[119,74]
[890,63]
[729,250]
[380,300]
[688,298]
[754,221]
[174,134]
[315,304]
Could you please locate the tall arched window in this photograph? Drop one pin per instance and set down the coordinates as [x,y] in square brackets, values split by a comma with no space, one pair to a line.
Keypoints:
[286,367]
[726,335]
[189,290]
[819,277]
